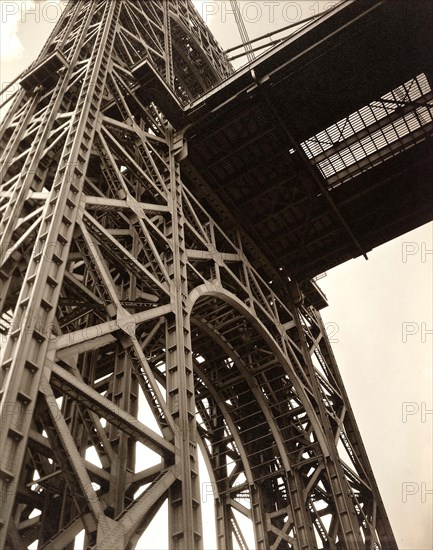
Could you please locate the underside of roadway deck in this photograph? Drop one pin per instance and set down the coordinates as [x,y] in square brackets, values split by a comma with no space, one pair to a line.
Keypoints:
[322,148]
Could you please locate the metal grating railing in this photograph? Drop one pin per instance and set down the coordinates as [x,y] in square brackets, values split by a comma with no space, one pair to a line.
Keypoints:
[374,133]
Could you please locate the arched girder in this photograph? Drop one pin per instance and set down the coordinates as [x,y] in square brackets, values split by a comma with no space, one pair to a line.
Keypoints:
[231,353]
[295,506]
[230,298]
[260,519]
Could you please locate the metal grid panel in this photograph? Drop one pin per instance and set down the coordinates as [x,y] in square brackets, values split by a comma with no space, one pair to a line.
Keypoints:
[371,135]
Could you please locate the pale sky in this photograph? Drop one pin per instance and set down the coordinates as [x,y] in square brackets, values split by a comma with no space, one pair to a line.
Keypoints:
[370,301]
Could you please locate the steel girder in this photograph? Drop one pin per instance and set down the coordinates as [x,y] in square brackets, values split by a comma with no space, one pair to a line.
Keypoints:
[120,289]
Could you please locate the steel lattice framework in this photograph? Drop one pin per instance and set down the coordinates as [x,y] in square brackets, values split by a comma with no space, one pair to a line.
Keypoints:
[118,287]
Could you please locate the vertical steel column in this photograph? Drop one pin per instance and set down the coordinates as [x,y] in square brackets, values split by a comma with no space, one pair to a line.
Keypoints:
[184,499]
[26,346]
[382,526]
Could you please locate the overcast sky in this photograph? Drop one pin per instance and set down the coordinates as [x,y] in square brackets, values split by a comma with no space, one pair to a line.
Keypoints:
[370,301]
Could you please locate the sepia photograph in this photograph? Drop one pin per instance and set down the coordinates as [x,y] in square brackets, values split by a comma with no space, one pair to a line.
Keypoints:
[216,274]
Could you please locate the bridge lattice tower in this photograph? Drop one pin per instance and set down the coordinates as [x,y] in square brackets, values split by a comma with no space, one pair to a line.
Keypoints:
[119,289]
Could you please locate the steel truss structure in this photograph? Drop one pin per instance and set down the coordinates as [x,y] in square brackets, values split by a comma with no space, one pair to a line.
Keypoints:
[119,289]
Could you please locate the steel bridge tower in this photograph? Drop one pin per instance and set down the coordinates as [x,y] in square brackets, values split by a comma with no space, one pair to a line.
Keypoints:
[121,292]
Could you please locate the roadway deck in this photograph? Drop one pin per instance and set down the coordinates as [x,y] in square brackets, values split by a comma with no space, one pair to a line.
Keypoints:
[322,148]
